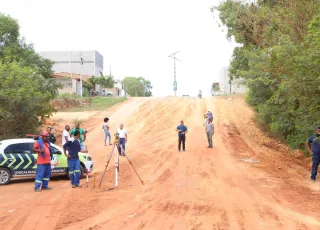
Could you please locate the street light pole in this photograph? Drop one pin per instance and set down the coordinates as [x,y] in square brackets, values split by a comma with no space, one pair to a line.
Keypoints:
[174,69]
[81,63]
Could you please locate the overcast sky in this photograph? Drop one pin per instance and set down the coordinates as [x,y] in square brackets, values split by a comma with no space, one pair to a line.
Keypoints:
[135,37]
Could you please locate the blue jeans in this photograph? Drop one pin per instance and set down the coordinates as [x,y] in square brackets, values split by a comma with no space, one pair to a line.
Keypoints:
[315,165]
[106,135]
[43,175]
[122,142]
[74,171]
[209,136]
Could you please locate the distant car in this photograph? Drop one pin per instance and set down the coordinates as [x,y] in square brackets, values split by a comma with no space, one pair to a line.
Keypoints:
[18,160]
[185,96]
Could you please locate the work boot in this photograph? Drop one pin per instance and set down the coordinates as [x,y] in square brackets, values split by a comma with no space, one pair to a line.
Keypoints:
[47,188]
[78,186]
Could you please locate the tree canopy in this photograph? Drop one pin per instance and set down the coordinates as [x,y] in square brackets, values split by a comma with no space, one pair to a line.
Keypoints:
[137,87]
[106,82]
[279,59]
[26,86]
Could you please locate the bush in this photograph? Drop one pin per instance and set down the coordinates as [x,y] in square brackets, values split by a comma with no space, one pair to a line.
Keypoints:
[24,100]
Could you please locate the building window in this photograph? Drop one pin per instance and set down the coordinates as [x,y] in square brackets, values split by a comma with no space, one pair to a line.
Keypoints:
[66,83]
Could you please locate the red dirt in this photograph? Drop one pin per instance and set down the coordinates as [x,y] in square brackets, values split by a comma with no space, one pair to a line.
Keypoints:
[219,188]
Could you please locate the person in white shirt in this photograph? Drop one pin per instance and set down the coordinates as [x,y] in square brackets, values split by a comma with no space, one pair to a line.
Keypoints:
[123,137]
[65,135]
[106,129]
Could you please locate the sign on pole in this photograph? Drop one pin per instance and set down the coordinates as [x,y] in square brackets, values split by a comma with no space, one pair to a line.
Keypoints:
[175,86]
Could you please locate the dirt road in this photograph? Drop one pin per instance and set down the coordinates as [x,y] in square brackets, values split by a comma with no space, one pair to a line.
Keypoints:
[247,181]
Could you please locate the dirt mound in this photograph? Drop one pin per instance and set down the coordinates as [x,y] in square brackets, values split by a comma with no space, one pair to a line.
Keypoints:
[246,181]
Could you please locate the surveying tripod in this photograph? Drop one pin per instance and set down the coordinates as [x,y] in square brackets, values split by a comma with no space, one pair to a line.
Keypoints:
[115,151]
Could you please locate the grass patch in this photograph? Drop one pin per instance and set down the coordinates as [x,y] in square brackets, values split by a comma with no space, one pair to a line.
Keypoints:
[97,103]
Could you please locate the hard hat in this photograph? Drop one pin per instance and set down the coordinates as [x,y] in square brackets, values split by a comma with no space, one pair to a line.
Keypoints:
[44,133]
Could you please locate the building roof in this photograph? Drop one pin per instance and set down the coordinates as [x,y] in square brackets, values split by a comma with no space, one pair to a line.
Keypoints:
[70,75]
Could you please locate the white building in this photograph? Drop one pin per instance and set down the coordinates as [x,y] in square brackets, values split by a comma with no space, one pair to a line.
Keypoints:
[224,81]
[237,86]
[69,62]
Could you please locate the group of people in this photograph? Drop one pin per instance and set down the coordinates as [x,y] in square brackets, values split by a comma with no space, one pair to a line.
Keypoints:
[182,130]
[73,142]
[312,143]
[121,134]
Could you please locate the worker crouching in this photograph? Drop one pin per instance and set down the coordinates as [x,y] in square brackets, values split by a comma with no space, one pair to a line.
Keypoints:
[73,147]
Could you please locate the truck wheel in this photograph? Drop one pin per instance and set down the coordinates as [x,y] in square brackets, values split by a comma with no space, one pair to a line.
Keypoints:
[5,176]
[82,171]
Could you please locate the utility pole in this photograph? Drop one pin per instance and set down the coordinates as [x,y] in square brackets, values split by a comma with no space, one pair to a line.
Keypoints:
[174,68]
[81,64]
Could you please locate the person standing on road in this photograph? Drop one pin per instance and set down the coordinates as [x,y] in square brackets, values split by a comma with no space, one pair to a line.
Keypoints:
[182,130]
[65,135]
[210,116]
[123,138]
[106,129]
[210,132]
[313,146]
[45,154]
[82,133]
[52,138]
[73,147]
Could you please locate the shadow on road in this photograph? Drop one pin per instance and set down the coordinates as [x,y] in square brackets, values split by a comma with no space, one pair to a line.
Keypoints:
[31,179]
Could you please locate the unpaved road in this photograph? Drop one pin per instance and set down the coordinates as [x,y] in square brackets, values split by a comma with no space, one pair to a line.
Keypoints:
[247,181]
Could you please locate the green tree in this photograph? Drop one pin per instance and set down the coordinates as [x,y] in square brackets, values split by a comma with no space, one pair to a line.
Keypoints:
[24,100]
[138,87]
[147,87]
[26,86]
[106,82]
[279,60]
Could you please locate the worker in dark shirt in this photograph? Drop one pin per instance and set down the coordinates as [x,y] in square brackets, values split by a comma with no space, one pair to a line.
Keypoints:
[182,130]
[52,138]
[73,147]
[313,146]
